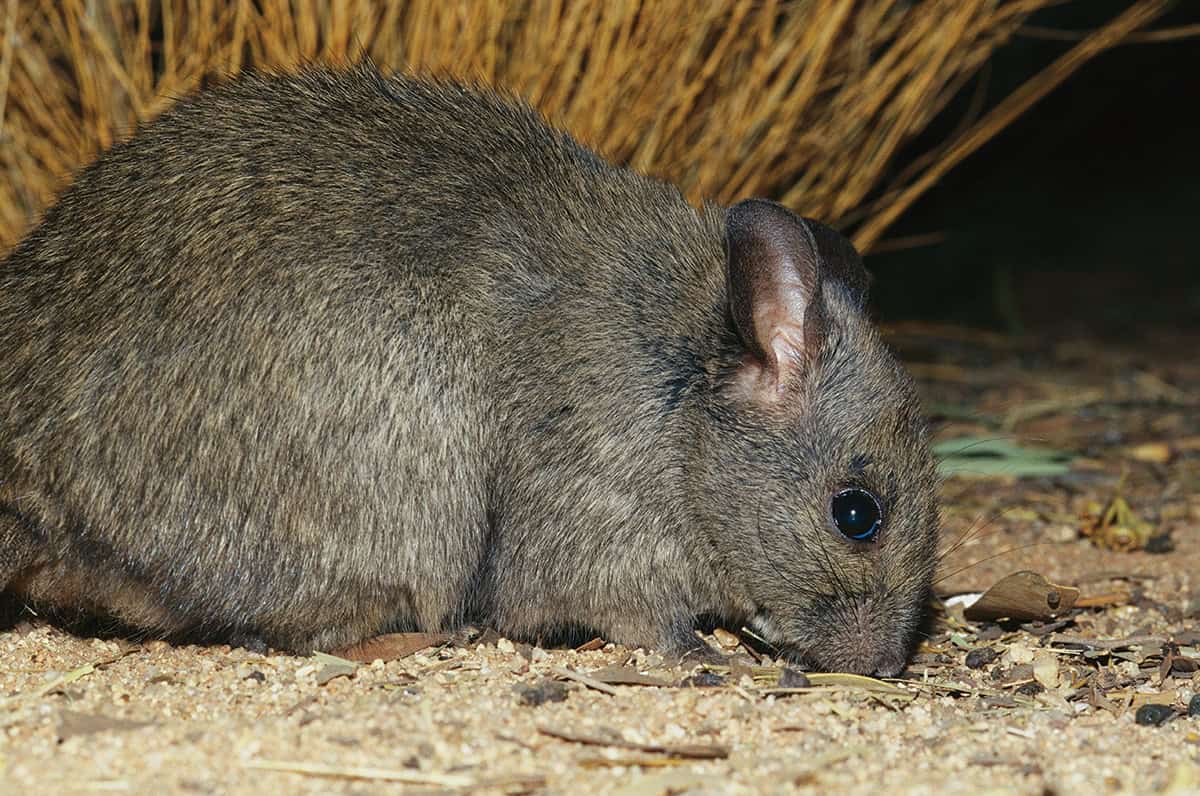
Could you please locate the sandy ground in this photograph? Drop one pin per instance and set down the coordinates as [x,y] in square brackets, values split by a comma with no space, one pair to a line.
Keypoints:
[1051,707]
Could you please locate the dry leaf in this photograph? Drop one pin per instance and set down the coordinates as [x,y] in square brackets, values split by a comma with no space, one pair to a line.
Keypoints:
[392,646]
[628,675]
[1116,527]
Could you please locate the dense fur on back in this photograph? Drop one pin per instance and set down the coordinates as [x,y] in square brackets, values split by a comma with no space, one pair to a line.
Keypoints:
[318,357]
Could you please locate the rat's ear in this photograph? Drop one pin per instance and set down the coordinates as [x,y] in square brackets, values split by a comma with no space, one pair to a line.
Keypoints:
[839,261]
[777,263]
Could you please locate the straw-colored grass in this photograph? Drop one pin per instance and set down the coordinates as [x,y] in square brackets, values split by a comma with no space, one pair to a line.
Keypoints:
[806,101]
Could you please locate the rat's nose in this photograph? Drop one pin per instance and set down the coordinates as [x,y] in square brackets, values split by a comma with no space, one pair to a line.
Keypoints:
[889,665]
[866,641]
[869,660]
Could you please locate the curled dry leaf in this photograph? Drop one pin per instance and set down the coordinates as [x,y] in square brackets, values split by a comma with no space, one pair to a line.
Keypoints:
[1116,527]
[1022,596]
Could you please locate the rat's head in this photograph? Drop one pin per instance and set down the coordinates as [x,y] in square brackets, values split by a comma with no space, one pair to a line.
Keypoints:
[816,462]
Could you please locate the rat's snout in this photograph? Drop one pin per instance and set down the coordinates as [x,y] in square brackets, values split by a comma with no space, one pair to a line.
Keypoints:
[865,637]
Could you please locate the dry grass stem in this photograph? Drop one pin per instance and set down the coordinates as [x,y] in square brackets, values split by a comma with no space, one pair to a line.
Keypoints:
[808,102]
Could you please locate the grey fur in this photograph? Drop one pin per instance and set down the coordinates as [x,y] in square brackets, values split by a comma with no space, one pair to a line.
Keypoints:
[318,357]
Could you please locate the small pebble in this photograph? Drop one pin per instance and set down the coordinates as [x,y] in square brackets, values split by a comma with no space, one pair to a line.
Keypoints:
[541,692]
[1160,544]
[703,679]
[980,657]
[1194,706]
[1030,689]
[793,678]
[1153,715]
[725,638]
[990,633]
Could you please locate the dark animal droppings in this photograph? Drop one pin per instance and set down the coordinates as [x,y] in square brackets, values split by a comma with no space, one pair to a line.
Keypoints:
[1030,689]
[1153,715]
[1160,544]
[980,657]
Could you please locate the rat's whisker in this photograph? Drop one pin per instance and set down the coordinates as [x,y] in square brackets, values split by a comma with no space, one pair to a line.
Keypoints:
[974,531]
[989,558]
[836,574]
[767,554]
[752,634]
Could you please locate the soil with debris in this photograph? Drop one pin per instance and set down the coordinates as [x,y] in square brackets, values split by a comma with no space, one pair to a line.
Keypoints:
[1090,698]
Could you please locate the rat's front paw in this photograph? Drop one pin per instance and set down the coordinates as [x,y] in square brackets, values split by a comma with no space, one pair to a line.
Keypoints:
[687,649]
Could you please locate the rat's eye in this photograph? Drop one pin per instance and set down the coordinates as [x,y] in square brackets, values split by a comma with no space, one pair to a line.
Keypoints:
[857,514]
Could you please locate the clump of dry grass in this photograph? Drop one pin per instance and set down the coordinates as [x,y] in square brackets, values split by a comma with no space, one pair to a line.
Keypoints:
[807,102]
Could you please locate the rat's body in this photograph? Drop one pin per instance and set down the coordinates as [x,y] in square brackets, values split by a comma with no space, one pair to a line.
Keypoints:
[315,358]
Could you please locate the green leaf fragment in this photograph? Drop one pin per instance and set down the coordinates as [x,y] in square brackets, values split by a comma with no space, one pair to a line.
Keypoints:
[990,456]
